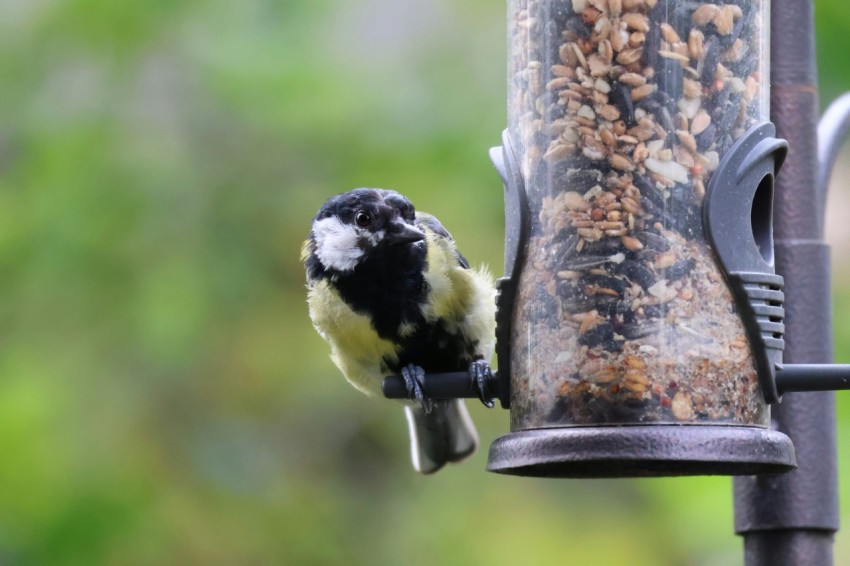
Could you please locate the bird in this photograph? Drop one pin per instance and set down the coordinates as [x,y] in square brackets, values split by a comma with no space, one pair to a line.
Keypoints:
[389,291]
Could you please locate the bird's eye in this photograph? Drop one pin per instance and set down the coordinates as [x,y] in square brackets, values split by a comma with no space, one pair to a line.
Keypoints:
[362,219]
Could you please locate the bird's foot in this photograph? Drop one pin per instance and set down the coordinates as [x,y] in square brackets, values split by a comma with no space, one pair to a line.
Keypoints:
[480,373]
[414,379]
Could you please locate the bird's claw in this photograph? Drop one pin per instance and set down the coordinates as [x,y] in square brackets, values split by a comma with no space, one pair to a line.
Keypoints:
[480,372]
[414,379]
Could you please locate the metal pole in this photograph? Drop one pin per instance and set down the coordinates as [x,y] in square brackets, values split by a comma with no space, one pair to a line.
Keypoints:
[791,518]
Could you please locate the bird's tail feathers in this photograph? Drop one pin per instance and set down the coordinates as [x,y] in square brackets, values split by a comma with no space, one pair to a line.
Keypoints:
[446,434]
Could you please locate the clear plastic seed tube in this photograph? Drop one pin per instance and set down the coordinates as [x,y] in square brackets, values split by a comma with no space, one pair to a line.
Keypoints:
[619,112]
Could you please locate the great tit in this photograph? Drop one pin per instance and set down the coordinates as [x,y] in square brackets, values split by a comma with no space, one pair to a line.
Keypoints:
[390,292]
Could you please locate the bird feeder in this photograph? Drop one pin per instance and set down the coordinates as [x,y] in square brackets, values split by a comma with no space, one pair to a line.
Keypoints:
[640,319]
[645,304]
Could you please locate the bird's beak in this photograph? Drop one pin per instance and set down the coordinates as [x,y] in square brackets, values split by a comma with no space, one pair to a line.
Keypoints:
[403,233]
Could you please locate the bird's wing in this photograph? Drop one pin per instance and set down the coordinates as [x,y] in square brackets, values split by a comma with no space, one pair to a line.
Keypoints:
[426,221]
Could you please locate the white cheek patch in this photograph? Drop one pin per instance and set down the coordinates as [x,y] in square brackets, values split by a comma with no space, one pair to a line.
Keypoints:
[337,244]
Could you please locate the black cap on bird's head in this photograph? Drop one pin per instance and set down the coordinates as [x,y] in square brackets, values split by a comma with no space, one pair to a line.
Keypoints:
[351,225]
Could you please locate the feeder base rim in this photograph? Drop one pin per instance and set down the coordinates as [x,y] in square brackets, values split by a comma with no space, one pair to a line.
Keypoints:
[655,450]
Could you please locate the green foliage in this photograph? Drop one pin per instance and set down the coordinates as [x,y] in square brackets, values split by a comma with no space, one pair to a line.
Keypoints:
[163,398]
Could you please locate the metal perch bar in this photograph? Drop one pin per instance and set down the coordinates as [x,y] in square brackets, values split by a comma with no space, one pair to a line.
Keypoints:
[455,385]
[812,377]
[789,378]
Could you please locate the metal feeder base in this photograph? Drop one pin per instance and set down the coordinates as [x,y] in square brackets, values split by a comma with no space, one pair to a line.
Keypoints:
[642,451]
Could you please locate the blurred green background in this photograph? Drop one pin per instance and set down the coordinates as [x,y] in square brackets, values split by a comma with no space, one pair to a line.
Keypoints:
[163,397]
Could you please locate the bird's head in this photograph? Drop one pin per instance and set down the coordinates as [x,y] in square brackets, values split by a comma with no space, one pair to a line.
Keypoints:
[351,226]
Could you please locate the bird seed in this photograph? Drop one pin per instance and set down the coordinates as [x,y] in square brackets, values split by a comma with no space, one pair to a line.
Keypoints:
[620,111]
